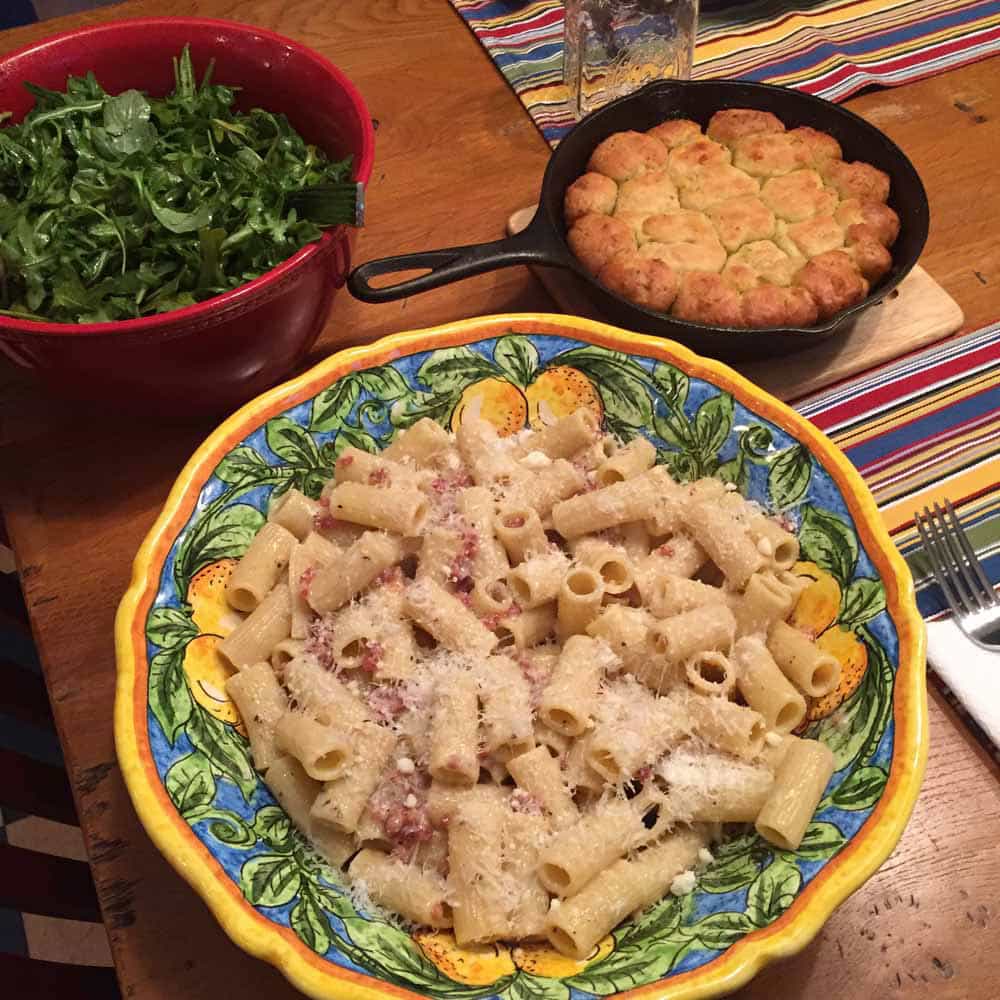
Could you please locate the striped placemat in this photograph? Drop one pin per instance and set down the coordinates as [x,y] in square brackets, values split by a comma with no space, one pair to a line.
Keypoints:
[833,48]
[921,429]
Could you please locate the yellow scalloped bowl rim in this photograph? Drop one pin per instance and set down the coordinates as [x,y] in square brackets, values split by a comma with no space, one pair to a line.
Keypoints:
[320,978]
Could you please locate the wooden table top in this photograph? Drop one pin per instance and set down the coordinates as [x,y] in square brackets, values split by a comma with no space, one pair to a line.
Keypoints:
[456,154]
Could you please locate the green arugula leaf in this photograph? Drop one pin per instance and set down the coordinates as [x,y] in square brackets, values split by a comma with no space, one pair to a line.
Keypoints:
[106,199]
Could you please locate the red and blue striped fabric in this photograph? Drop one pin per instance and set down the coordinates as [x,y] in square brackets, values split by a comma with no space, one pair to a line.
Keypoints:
[833,48]
[921,429]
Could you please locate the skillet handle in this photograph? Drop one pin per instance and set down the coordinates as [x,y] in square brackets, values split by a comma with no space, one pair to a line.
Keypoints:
[537,244]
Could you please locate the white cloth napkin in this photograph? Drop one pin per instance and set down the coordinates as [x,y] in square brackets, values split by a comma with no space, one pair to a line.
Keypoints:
[972,673]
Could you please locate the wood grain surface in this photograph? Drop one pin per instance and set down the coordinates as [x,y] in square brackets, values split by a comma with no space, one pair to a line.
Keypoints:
[456,154]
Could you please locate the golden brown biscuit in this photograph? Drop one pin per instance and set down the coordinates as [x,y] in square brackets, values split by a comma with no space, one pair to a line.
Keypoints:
[798,195]
[590,193]
[762,260]
[761,226]
[834,282]
[770,305]
[595,239]
[820,147]
[627,154]
[741,220]
[675,132]
[687,256]
[710,185]
[735,123]
[635,222]
[867,251]
[646,281]
[695,156]
[651,193]
[812,236]
[706,298]
[771,155]
[682,226]
[857,180]
[882,219]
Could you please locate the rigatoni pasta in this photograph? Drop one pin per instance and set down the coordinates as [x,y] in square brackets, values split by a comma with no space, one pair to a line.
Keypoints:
[526,676]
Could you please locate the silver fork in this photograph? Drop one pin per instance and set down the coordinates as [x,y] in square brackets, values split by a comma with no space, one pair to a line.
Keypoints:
[960,575]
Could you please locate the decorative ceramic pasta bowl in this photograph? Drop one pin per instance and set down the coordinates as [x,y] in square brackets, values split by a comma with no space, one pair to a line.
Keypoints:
[182,743]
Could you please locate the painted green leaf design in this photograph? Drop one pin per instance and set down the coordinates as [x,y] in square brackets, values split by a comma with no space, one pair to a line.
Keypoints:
[861,601]
[619,380]
[272,825]
[718,931]
[290,442]
[672,428]
[240,464]
[772,892]
[735,471]
[226,826]
[169,697]
[434,406]
[861,789]
[224,535]
[788,479]
[384,383]
[855,732]
[190,784]
[672,385]
[396,957]
[821,841]
[225,749]
[527,987]
[713,423]
[645,949]
[169,627]
[454,368]
[269,880]
[311,924]
[829,542]
[353,437]
[728,874]
[332,406]
[755,442]
[518,358]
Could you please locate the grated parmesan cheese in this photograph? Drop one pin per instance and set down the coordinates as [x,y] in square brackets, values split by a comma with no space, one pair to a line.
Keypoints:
[405,766]
[772,739]
[683,883]
[705,856]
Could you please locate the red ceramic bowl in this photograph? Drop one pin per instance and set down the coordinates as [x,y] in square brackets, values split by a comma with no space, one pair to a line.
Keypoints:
[214,355]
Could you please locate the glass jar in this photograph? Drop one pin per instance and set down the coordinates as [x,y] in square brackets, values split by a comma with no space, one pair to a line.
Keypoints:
[613,47]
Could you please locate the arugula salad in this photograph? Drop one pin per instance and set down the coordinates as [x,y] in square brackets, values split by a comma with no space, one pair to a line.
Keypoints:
[119,206]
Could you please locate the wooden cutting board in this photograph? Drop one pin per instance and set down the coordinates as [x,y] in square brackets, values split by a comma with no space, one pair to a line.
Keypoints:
[919,312]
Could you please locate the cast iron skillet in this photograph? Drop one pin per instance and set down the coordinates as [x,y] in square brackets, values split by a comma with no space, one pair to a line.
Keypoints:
[543,242]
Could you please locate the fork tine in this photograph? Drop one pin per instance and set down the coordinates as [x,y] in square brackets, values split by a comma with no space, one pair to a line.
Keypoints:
[965,575]
[988,594]
[939,566]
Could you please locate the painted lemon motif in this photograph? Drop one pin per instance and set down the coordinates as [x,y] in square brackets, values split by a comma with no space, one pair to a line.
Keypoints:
[495,400]
[474,965]
[815,613]
[207,673]
[207,596]
[557,392]
[819,603]
[206,669]
[852,654]
[541,960]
